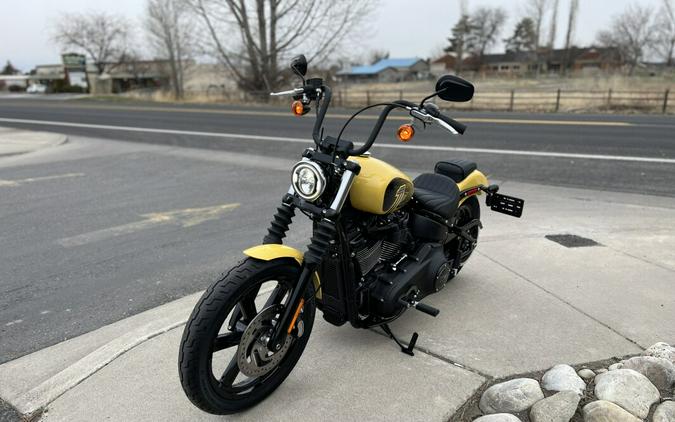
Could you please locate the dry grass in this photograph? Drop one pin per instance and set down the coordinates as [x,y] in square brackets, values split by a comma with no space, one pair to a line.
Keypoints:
[602,93]
[607,93]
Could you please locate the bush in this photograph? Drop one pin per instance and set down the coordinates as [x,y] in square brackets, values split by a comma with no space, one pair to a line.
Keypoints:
[62,87]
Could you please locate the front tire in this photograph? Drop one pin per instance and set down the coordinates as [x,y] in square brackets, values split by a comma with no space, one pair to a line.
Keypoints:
[217,325]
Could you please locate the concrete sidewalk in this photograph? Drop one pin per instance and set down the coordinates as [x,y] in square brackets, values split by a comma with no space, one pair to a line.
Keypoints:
[17,141]
[523,303]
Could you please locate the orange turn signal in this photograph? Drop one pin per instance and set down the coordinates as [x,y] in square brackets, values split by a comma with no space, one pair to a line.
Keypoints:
[298,108]
[405,133]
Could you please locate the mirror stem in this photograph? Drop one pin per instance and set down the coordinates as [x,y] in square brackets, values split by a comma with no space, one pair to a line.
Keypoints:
[430,97]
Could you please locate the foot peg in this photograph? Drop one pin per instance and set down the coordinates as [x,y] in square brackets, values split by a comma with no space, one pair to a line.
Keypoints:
[408,350]
[429,310]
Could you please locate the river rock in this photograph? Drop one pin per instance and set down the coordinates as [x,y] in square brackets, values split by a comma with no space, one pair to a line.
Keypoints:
[511,396]
[601,370]
[586,374]
[665,412]
[559,407]
[627,388]
[661,372]
[661,350]
[563,378]
[615,366]
[498,417]
[605,411]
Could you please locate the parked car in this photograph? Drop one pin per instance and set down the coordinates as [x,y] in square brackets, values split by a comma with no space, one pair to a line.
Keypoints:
[36,89]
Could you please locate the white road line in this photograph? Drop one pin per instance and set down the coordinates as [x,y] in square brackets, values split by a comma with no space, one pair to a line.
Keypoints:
[380,145]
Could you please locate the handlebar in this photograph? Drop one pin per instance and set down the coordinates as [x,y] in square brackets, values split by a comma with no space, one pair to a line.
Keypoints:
[378,125]
[428,113]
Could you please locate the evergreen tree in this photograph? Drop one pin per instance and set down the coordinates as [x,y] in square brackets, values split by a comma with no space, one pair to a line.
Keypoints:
[9,69]
[524,37]
[461,41]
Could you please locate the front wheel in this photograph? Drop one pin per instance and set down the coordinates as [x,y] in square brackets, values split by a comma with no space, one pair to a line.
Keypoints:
[224,364]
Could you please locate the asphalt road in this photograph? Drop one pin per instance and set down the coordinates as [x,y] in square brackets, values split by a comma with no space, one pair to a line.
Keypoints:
[97,230]
[556,149]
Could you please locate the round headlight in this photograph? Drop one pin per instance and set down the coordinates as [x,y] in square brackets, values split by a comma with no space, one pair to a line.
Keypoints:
[308,180]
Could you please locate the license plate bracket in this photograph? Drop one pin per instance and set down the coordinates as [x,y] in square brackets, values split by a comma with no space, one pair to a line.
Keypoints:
[508,205]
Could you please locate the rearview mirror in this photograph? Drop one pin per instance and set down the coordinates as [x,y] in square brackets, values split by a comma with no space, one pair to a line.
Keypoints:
[454,88]
[299,65]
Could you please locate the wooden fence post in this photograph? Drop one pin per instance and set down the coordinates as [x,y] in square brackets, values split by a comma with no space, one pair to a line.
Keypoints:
[665,101]
[400,94]
[367,98]
[512,101]
[557,101]
[609,98]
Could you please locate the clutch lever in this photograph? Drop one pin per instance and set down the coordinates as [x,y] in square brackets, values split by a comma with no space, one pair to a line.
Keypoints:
[296,91]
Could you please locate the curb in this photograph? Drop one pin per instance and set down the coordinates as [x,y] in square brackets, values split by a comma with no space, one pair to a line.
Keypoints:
[141,328]
[19,141]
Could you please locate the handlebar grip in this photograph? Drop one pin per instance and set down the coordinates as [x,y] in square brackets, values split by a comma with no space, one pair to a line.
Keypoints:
[459,127]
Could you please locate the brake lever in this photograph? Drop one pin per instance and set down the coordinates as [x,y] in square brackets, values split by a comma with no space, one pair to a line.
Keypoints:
[427,118]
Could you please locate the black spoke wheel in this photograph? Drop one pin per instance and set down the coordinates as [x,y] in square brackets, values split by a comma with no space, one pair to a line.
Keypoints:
[467,212]
[227,328]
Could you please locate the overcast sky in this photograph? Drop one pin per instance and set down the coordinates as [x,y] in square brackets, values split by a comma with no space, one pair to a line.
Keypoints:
[25,25]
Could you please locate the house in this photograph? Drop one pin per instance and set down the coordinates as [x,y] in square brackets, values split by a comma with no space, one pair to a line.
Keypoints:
[522,63]
[387,70]
[447,63]
[13,82]
[129,75]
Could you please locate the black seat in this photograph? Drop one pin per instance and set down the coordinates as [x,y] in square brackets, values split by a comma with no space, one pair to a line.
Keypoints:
[436,193]
[456,169]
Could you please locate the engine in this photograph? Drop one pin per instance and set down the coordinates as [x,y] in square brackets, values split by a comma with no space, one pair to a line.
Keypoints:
[394,263]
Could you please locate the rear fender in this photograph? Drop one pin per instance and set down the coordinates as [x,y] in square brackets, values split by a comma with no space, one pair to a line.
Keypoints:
[270,252]
[475,179]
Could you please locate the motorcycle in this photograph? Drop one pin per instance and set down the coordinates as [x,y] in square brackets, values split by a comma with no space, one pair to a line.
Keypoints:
[381,243]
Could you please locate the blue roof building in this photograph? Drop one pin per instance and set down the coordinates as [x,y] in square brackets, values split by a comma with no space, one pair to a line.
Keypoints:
[387,70]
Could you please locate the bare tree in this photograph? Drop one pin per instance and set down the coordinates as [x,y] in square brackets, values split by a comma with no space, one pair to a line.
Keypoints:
[553,27]
[569,36]
[376,55]
[170,31]
[487,24]
[251,38]
[536,10]
[631,32]
[665,24]
[101,36]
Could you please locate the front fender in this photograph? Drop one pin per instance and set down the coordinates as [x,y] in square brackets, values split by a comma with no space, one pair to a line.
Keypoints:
[274,251]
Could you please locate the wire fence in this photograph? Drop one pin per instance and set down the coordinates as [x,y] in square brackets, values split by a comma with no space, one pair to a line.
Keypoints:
[529,100]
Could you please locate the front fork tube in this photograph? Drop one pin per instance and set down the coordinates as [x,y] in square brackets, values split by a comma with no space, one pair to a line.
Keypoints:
[324,232]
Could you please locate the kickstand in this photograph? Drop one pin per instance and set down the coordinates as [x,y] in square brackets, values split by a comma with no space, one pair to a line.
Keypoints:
[408,350]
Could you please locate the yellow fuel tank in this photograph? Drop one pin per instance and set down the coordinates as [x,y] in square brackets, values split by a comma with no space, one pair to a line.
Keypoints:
[379,188]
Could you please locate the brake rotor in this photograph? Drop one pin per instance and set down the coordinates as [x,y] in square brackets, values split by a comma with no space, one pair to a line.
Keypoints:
[253,356]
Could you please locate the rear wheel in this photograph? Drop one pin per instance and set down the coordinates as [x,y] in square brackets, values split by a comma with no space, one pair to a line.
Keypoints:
[224,364]
[465,214]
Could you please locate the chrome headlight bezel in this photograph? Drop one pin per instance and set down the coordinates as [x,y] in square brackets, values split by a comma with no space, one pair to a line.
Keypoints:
[318,174]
